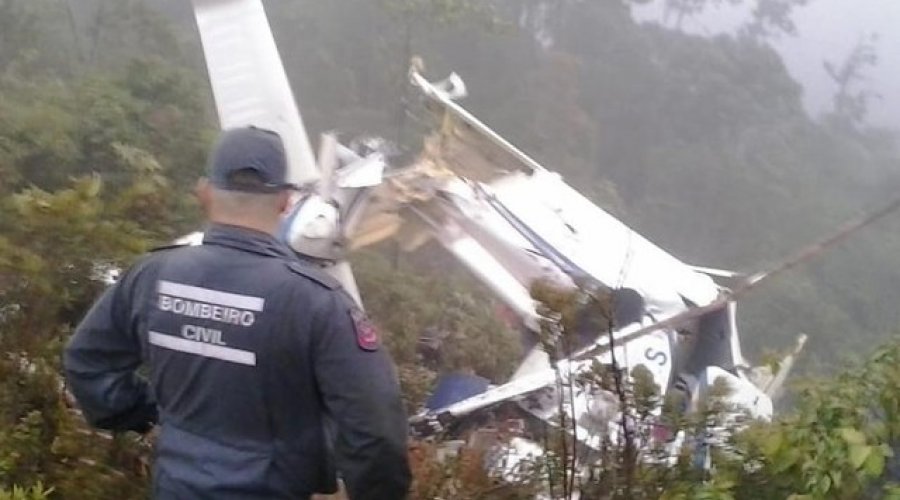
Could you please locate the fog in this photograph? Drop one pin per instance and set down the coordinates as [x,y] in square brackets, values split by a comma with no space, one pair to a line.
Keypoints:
[826,30]
[731,134]
[723,148]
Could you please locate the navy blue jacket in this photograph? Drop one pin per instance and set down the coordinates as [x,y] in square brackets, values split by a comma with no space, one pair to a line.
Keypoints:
[265,375]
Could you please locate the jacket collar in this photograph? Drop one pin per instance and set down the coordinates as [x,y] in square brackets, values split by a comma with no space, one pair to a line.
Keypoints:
[245,239]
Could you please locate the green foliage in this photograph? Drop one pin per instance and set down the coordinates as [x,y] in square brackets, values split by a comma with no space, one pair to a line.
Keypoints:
[52,257]
[36,492]
[408,303]
[91,174]
[838,442]
[841,436]
[104,128]
[461,476]
[44,442]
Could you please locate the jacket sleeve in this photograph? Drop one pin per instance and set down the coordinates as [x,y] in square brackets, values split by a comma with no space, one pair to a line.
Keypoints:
[362,396]
[101,360]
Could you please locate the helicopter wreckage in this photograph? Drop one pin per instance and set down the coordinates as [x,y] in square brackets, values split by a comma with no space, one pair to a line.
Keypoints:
[512,223]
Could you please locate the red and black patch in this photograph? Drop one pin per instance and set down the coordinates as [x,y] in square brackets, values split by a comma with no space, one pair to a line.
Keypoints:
[366,333]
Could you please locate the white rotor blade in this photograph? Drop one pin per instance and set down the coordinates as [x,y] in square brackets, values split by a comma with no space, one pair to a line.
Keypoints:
[248,79]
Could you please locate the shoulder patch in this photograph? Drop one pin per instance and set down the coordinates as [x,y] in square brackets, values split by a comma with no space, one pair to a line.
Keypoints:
[313,274]
[366,333]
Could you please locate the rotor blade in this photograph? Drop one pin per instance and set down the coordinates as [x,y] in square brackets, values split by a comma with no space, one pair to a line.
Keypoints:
[248,79]
[805,254]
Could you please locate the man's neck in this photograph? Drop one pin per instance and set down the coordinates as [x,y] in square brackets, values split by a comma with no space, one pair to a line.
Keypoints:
[267,227]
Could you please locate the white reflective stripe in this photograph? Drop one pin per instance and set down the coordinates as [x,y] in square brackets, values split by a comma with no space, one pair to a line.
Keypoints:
[234,300]
[203,349]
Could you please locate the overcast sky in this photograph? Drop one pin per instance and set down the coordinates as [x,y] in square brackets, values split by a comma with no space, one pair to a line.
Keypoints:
[826,30]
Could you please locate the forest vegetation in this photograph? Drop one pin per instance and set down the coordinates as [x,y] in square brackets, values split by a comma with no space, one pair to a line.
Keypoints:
[701,144]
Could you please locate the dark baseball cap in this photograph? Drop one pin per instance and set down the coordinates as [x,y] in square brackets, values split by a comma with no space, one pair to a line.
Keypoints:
[249,159]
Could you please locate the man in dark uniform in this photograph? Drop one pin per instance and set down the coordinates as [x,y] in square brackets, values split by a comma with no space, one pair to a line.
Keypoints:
[264,376]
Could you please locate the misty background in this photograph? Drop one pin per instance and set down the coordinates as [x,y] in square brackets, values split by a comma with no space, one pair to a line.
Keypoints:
[826,31]
[713,127]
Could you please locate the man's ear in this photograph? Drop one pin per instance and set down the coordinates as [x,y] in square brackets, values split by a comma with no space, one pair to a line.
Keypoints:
[203,192]
[284,202]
